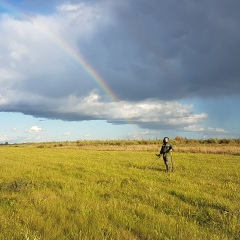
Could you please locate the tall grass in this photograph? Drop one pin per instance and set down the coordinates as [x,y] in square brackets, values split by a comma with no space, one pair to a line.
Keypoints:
[49,193]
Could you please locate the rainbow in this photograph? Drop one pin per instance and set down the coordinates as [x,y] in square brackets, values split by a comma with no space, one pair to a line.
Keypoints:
[85,65]
[69,51]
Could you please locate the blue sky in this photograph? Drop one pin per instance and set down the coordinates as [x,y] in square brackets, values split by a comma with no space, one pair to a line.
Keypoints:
[73,70]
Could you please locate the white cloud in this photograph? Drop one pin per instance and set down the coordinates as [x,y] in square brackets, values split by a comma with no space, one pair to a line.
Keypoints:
[34,129]
[70,7]
[88,136]
[143,135]
[210,130]
[194,128]
[150,111]
[67,134]
[15,130]
[217,130]
[83,12]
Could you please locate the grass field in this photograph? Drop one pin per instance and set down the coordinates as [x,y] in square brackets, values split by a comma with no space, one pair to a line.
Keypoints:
[66,193]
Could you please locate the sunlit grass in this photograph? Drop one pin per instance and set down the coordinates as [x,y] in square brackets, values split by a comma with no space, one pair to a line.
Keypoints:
[48,193]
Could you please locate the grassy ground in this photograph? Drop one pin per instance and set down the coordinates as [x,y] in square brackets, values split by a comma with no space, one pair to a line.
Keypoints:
[49,193]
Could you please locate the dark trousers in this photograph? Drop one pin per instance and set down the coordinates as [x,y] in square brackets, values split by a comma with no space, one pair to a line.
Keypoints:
[167,160]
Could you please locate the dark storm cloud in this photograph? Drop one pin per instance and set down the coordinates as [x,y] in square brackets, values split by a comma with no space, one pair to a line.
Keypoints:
[149,49]
[169,49]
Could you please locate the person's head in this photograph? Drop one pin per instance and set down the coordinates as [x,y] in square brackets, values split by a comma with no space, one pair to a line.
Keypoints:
[165,140]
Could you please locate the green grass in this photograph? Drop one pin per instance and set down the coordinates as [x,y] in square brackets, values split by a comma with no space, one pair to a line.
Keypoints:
[73,194]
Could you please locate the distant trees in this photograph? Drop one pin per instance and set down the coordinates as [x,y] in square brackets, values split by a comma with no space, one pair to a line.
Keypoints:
[181,140]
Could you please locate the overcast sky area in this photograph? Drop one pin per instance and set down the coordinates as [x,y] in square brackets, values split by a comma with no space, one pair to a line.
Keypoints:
[111,69]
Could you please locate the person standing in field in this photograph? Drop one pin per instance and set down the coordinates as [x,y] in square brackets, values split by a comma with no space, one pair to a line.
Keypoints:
[166,151]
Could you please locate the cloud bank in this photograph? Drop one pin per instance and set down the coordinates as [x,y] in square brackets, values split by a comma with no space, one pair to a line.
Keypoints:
[150,53]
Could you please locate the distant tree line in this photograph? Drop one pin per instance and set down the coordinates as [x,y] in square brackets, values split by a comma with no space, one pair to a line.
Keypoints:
[176,141]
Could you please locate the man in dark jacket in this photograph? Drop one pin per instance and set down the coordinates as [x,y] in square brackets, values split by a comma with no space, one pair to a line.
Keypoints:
[166,150]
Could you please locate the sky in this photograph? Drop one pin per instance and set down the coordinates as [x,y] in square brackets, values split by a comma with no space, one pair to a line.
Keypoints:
[109,69]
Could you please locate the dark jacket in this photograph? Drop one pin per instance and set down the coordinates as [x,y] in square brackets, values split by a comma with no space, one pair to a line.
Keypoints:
[165,149]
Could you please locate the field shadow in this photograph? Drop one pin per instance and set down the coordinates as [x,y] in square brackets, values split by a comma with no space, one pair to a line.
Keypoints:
[150,168]
[155,169]
[199,202]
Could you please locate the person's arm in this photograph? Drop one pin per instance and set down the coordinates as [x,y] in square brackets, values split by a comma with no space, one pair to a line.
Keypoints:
[160,153]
